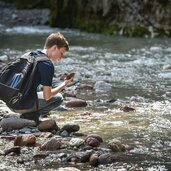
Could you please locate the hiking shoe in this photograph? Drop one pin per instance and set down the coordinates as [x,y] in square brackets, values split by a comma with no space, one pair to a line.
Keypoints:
[31,116]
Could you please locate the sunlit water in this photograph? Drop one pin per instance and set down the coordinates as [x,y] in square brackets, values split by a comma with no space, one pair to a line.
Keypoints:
[130,70]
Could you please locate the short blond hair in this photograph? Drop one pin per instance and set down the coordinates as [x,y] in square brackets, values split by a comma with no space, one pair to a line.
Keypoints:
[56,39]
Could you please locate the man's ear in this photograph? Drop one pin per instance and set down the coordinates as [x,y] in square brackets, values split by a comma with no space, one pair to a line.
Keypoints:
[54,47]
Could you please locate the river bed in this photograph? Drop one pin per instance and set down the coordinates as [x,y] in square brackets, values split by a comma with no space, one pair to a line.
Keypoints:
[122,71]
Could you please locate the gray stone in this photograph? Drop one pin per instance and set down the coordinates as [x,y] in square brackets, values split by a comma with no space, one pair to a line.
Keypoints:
[9,124]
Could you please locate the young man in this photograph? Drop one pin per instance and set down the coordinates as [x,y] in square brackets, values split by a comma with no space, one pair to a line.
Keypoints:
[55,48]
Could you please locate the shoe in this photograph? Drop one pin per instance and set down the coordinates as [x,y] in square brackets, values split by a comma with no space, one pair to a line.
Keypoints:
[31,116]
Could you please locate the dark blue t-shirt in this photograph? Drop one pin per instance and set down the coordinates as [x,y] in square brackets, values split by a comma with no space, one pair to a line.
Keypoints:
[44,76]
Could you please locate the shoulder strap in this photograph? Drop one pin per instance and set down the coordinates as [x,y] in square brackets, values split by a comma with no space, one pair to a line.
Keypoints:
[34,58]
[35,61]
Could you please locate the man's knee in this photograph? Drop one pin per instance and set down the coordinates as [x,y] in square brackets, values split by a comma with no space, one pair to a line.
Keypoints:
[58,98]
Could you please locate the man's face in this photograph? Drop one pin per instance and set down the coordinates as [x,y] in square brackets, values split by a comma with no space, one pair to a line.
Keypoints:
[58,53]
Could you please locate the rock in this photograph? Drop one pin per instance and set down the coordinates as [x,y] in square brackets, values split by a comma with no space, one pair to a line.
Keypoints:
[75,102]
[4,58]
[76,142]
[116,145]
[51,145]
[93,142]
[64,133]
[71,128]
[68,169]
[127,109]
[47,124]
[106,158]
[69,94]
[98,137]
[9,124]
[25,140]
[16,150]
[83,156]
[73,158]
[40,155]
[165,67]
[11,115]
[1,143]
[25,130]
[94,160]
[47,135]
[78,134]
[20,161]
[8,137]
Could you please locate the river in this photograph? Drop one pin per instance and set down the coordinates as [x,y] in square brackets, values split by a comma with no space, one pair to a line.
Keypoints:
[123,71]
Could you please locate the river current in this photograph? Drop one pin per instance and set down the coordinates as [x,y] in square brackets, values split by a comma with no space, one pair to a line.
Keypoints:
[122,71]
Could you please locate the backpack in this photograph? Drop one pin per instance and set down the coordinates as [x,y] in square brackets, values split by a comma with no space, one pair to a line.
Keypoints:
[17,76]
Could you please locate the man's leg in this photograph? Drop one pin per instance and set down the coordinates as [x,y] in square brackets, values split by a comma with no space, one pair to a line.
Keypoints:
[46,106]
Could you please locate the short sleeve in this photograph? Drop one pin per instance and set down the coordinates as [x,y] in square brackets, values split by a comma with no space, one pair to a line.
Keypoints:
[46,71]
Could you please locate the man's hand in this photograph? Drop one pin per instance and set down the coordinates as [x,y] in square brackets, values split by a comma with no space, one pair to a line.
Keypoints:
[49,92]
[67,81]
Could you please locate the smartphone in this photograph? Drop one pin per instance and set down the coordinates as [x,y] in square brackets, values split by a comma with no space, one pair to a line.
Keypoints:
[70,75]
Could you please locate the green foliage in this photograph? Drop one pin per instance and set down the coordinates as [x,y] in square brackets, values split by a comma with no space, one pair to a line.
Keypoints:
[30,4]
[140,31]
[111,29]
[136,31]
[53,13]
[90,25]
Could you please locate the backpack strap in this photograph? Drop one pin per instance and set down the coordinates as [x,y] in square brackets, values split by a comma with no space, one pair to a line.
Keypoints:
[35,59]
[32,58]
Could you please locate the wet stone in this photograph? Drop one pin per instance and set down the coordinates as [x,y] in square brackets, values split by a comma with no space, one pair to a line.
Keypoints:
[93,161]
[93,142]
[68,169]
[47,135]
[116,145]
[20,161]
[8,137]
[75,102]
[76,142]
[9,124]
[40,155]
[84,156]
[96,136]
[106,158]
[25,140]
[16,150]
[127,109]
[25,130]
[51,145]
[64,133]
[47,124]
[71,128]
[69,94]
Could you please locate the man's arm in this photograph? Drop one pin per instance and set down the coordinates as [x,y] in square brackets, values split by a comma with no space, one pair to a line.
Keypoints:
[49,92]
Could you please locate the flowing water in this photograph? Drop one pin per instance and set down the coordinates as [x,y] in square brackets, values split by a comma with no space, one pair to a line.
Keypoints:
[130,70]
